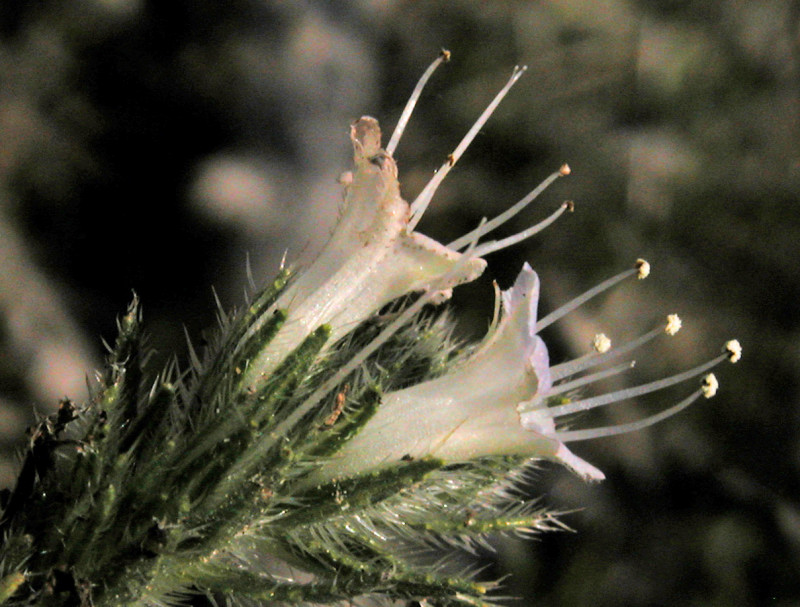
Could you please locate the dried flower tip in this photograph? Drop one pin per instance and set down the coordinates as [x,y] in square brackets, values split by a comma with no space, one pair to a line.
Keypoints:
[734,350]
[564,170]
[674,324]
[710,385]
[601,343]
[644,269]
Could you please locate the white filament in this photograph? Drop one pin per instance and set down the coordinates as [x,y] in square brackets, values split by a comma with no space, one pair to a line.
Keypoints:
[619,395]
[423,200]
[577,435]
[503,217]
[496,245]
[443,57]
[580,300]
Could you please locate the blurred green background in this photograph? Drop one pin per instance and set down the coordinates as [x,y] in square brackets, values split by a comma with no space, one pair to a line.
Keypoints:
[155,145]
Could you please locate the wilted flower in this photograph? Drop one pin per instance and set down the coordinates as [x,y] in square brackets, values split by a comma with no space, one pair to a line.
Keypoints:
[372,258]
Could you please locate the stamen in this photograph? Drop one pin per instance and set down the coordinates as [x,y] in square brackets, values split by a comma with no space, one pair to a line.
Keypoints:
[592,359]
[509,213]
[619,395]
[495,245]
[601,343]
[443,57]
[734,350]
[579,301]
[590,379]
[578,435]
[423,200]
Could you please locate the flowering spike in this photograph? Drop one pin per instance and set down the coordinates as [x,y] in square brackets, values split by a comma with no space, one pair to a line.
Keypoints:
[331,422]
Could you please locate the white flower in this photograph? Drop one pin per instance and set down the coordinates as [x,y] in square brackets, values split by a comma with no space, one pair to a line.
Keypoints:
[472,411]
[372,257]
[497,401]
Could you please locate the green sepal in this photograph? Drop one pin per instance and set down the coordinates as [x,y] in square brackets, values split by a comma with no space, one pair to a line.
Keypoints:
[234,348]
[219,484]
[10,584]
[347,425]
[351,494]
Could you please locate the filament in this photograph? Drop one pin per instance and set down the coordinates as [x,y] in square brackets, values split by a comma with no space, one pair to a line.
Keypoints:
[582,299]
[578,435]
[496,245]
[443,57]
[423,200]
[509,213]
[619,395]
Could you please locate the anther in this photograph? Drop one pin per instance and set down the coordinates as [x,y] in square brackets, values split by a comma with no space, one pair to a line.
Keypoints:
[644,269]
[734,350]
[674,324]
[570,205]
[564,170]
[710,385]
[601,343]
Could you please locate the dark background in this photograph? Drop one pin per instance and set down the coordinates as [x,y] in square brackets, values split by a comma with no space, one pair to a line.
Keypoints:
[153,145]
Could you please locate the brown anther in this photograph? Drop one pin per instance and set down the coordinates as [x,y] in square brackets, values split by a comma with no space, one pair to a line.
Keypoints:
[570,205]
[445,55]
[341,398]
[564,170]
